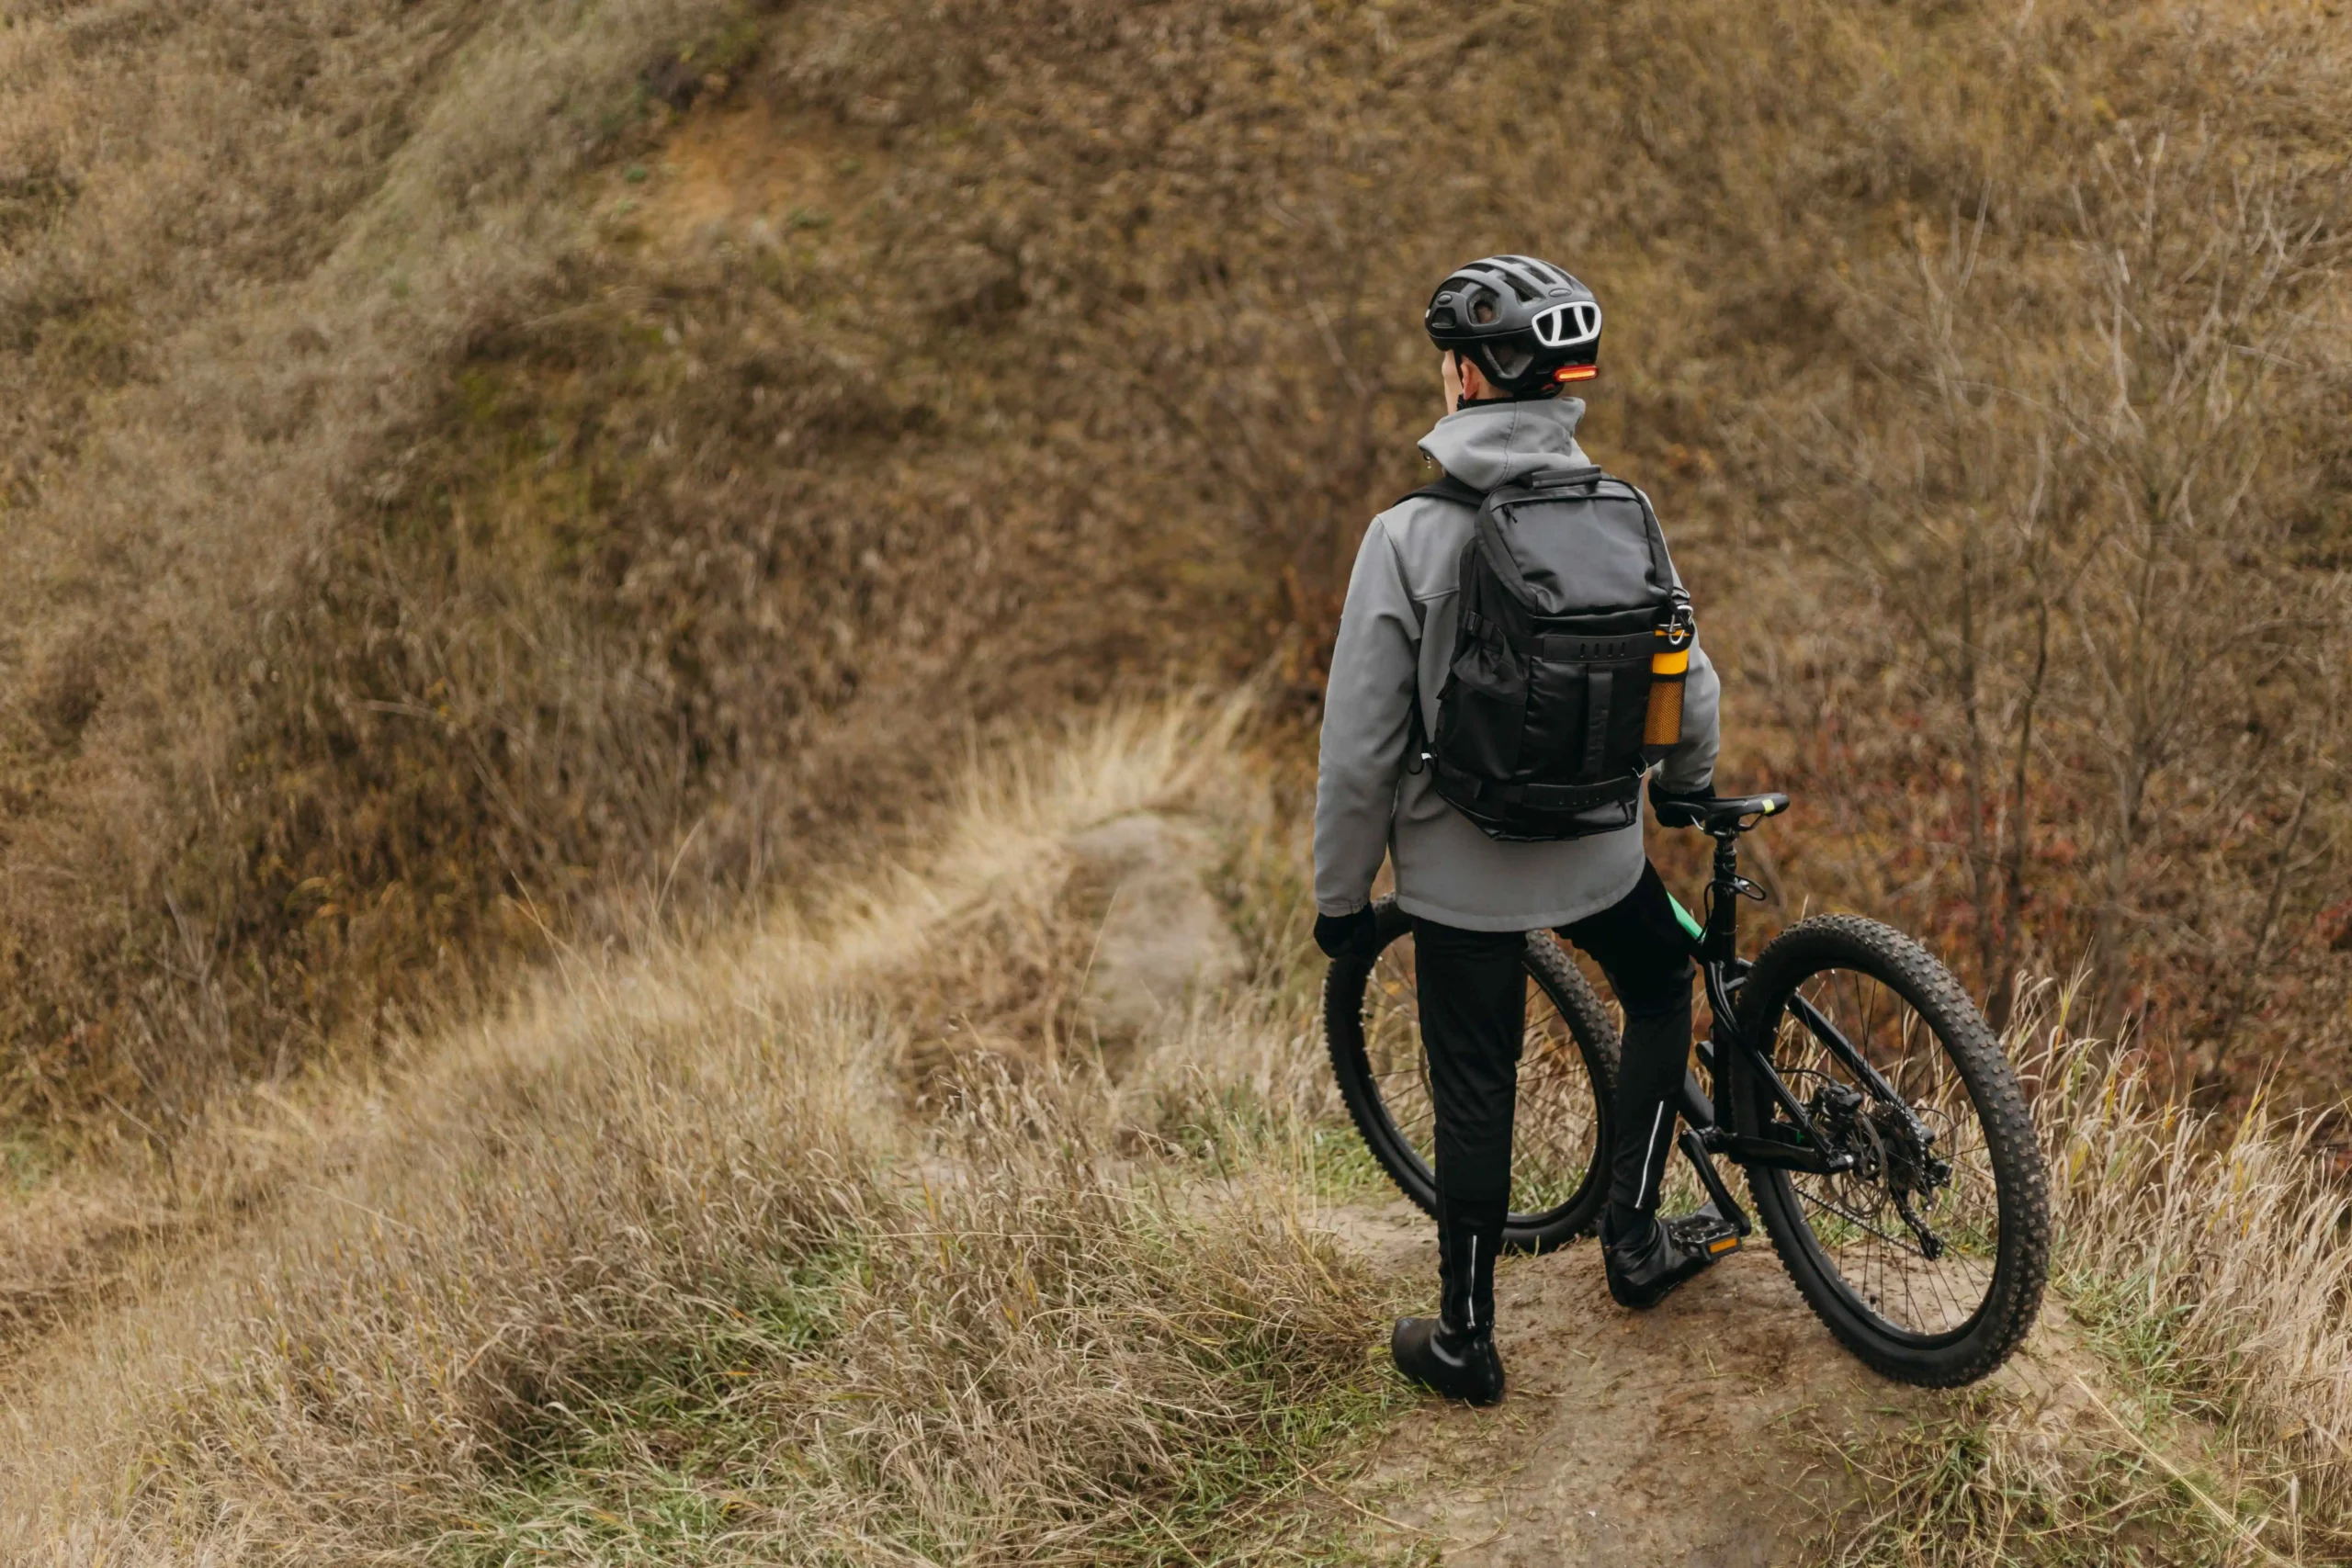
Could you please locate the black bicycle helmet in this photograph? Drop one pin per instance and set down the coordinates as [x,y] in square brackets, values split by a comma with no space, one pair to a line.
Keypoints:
[1528,326]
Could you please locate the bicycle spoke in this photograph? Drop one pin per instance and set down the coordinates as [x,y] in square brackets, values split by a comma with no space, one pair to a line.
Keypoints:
[1903,1242]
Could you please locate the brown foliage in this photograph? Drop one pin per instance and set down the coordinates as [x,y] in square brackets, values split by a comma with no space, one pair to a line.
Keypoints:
[472,540]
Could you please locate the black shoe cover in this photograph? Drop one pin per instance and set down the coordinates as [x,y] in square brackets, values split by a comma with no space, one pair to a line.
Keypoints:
[1645,1265]
[1459,1365]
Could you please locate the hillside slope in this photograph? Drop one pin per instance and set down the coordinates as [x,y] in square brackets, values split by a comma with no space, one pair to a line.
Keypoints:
[475,470]
[875,1238]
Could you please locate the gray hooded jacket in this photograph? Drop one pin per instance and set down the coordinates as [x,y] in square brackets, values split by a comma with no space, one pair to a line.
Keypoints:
[1395,639]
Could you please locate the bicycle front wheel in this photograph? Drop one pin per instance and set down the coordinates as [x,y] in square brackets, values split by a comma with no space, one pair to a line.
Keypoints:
[1926,1254]
[1567,1066]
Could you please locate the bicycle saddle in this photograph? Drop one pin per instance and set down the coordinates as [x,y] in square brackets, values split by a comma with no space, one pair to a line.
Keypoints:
[1731,813]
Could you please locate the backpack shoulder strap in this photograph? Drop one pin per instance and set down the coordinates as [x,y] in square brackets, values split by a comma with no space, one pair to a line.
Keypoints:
[1447,488]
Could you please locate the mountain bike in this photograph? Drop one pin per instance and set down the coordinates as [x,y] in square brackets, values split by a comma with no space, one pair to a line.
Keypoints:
[1885,1139]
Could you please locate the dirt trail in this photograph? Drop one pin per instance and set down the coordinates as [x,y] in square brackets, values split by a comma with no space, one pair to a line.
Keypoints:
[1675,1439]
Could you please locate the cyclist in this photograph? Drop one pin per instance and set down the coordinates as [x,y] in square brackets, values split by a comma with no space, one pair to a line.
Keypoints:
[1473,898]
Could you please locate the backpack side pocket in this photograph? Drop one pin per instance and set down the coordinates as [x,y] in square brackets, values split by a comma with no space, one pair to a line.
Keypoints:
[1481,710]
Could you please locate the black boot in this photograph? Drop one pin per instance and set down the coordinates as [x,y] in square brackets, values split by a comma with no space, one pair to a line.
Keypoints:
[1642,1257]
[1651,1068]
[1453,1353]
[1644,1260]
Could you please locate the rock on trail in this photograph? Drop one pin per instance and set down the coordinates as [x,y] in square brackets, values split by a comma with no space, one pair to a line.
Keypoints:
[1160,937]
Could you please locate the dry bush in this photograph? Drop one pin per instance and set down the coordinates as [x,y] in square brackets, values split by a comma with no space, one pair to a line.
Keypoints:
[2215,1251]
[2096,518]
[568,522]
[654,1266]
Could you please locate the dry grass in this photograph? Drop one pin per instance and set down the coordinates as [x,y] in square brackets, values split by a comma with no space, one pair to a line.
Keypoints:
[479,483]
[1987,1485]
[657,1267]
[2205,1266]
[2212,1256]
[665,1266]
[264,232]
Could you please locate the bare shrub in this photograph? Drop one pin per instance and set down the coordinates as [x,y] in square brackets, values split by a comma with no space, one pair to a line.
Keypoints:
[539,516]
[2100,572]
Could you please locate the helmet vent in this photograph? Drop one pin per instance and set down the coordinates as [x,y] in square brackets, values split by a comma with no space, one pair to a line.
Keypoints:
[1566,325]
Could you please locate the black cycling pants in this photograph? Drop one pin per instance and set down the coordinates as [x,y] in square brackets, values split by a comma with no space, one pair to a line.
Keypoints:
[1473,1008]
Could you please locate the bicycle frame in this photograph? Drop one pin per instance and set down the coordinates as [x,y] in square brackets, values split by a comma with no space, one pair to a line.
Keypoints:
[1729,1050]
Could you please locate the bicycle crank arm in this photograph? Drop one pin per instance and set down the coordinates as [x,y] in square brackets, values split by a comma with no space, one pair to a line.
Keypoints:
[1694,1149]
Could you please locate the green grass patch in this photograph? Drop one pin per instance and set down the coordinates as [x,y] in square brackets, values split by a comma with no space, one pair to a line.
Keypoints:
[2136,1332]
[1342,1168]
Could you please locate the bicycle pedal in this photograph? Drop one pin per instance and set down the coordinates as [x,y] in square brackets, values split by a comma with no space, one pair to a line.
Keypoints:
[1705,1230]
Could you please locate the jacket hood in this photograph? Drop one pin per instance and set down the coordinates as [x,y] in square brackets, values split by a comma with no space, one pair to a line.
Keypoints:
[1494,444]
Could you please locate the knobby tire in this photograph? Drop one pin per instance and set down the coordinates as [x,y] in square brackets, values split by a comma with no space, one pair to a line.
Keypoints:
[1344,987]
[1967,1351]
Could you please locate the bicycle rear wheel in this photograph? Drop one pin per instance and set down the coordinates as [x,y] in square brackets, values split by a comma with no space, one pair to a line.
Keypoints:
[1927,1256]
[1567,1066]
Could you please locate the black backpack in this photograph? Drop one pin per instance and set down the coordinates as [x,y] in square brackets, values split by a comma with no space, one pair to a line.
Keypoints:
[1544,727]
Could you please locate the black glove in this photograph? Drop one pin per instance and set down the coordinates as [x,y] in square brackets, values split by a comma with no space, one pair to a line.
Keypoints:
[1678,808]
[1348,936]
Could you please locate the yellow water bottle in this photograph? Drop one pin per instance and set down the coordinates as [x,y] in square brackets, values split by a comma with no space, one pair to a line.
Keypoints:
[1670,667]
